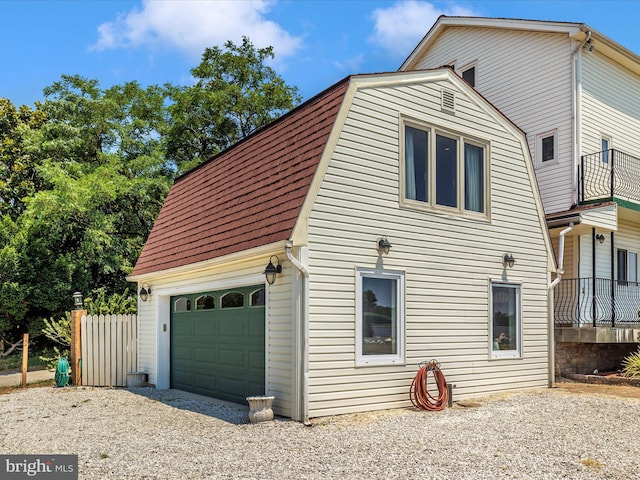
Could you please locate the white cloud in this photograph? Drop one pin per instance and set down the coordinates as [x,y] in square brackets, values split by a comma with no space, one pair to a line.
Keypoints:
[350,65]
[191,26]
[399,28]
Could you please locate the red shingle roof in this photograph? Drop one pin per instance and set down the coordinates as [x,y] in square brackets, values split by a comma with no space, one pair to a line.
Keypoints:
[247,196]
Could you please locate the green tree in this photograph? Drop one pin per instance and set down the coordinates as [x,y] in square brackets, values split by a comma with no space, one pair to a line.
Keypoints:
[235,94]
[100,161]
[18,177]
[83,175]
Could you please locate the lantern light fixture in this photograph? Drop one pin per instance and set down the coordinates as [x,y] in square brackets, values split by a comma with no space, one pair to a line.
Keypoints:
[508,260]
[272,270]
[78,300]
[145,292]
[384,246]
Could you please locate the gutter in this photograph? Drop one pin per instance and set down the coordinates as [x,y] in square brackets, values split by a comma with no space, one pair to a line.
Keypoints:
[552,285]
[304,327]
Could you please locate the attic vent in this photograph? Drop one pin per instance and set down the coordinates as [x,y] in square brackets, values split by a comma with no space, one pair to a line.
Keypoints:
[448,100]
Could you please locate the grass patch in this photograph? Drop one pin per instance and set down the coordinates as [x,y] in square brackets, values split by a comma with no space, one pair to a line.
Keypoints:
[14,362]
[44,383]
[592,464]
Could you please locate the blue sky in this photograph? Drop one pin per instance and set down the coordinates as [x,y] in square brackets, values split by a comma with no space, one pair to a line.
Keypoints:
[316,42]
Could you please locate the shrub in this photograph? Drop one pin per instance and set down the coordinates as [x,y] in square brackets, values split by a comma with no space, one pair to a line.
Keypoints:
[631,365]
[59,331]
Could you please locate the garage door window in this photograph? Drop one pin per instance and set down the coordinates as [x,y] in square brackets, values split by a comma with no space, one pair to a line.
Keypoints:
[205,302]
[232,300]
[257,298]
[182,304]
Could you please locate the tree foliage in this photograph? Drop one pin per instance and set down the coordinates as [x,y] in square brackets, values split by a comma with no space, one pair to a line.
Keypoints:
[101,179]
[18,177]
[236,93]
[83,175]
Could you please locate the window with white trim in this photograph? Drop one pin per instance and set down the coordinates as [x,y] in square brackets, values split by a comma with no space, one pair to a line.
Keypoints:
[605,146]
[505,325]
[444,170]
[205,302]
[627,266]
[469,74]
[183,304]
[547,147]
[379,317]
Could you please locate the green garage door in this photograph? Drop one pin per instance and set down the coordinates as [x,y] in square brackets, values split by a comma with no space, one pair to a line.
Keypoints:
[217,343]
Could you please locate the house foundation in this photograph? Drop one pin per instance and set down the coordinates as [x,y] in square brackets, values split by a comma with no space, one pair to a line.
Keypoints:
[584,358]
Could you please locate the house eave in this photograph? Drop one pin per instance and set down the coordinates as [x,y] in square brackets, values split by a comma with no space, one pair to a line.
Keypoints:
[444,22]
[238,257]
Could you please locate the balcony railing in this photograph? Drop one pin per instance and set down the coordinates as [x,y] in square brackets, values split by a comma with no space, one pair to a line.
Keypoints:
[609,174]
[597,302]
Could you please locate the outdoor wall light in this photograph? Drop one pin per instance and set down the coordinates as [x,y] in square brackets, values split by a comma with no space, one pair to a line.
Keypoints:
[508,260]
[600,238]
[77,300]
[272,270]
[384,246]
[145,292]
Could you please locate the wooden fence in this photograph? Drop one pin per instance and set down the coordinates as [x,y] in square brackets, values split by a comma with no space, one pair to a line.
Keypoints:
[109,349]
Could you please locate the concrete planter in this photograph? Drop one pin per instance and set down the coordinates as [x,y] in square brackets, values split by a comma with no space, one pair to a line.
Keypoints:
[136,379]
[260,409]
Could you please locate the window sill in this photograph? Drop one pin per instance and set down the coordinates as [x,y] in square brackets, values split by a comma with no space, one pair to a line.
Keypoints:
[379,362]
[444,212]
[507,355]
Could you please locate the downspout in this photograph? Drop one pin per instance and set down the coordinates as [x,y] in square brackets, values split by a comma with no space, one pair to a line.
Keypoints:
[560,256]
[304,327]
[576,81]
[552,285]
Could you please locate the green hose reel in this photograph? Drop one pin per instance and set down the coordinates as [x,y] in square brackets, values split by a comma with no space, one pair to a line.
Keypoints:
[61,376]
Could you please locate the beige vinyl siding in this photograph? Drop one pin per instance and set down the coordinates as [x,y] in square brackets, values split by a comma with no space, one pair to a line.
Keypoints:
[570,261]
[610,105]
[602,218]
[603,257]
[278,311]
[628,236]
[528,76]
[448,260]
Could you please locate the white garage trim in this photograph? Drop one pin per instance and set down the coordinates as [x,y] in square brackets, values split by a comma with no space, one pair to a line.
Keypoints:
[163,325]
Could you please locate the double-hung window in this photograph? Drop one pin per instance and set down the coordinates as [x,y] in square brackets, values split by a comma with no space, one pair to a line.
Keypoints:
[505,327]
[627,267]
[379,317]
[444,170]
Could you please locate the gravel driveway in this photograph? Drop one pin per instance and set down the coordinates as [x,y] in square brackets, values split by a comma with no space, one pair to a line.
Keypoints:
[143,434]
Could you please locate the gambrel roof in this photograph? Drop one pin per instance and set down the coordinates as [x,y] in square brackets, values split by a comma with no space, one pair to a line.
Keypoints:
[247,196]
[255,193]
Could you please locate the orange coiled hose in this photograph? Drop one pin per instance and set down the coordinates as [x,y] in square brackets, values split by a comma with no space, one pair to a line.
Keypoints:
[419,392]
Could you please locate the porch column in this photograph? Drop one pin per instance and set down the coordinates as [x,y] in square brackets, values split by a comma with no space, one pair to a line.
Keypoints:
[593,276]
[613,282]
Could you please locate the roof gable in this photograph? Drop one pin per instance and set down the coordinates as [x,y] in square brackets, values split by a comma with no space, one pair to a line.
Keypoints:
[576,31]
[248,196]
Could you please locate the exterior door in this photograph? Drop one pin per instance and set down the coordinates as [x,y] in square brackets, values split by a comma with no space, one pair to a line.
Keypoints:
[218,343]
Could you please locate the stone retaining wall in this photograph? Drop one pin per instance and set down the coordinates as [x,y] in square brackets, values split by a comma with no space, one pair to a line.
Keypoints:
[584,358]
